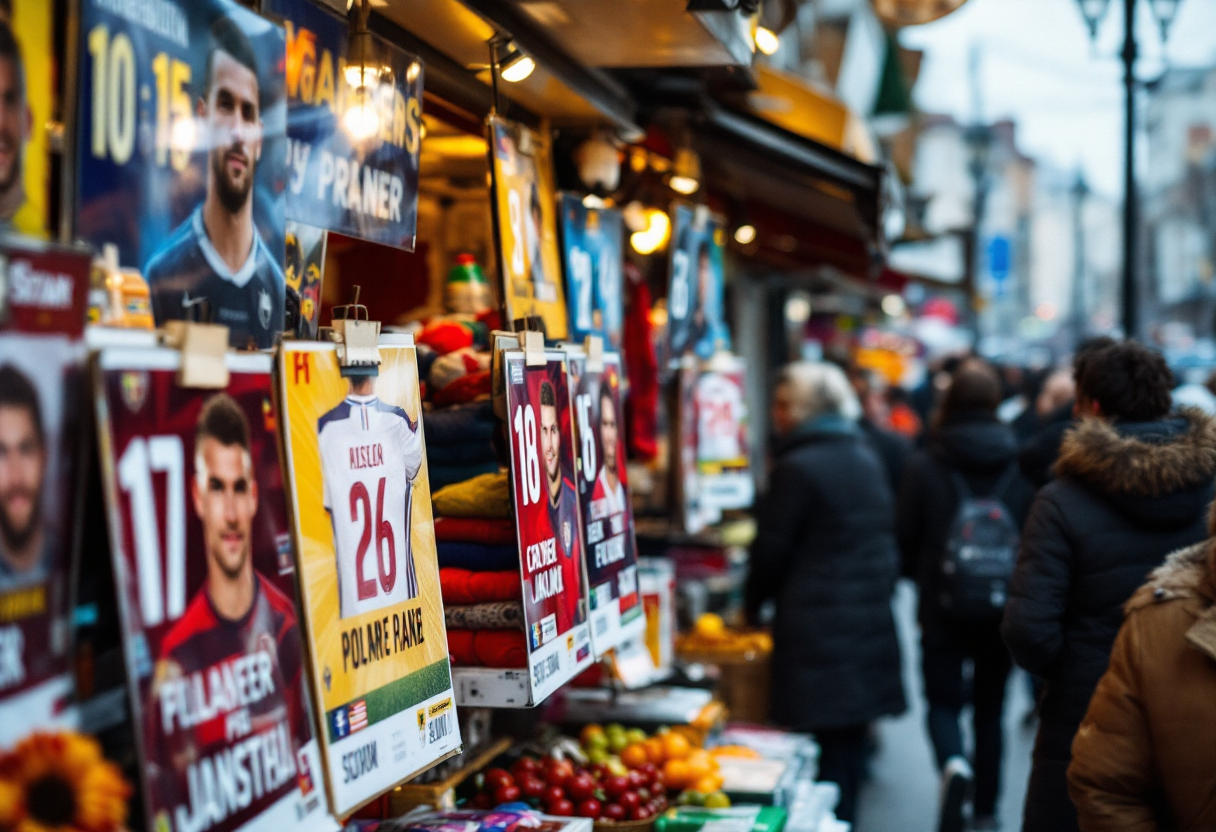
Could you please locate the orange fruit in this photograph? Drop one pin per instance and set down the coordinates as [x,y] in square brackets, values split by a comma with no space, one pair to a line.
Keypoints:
[676,746]
[635,755]
[708,784]
[700,764]
[675,774]
[655,751]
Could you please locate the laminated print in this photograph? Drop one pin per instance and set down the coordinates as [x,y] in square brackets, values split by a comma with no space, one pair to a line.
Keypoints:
[205,569]
[43,413]
[695,324]
[354,130]
[524,219]
[369,577]
[719,401]
[607,515]
[182,157]
[304,269]
[592,240]
[547,520]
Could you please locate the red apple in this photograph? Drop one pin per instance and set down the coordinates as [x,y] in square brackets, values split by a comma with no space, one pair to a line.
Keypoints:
[641,813]
[532,786]
[553,794]
[557,772]
[496,778]
[589,808]
[616,785]
[630,801]
[506,794]
[525,765]
[563,808]
[581,787]
[614,811]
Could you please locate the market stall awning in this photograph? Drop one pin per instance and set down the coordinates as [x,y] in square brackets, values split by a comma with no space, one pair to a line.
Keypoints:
[792,103]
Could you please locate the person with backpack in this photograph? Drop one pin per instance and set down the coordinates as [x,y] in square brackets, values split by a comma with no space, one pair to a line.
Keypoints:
[1132,484]
[960,507]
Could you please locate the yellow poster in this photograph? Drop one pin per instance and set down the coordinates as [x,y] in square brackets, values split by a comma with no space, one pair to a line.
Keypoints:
[369,578]
[25,108]
[525,214]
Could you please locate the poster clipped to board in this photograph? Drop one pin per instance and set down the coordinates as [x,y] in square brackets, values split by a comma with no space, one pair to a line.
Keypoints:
[592,240]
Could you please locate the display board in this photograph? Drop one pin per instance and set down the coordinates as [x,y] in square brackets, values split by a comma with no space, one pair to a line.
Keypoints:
[369,578]
[182,156]
[304,269]
[720,404]
[695,324]
[42,421]
[526,226]
[592,240]
[353,157]
[547,520]
[606,512]
[205,568]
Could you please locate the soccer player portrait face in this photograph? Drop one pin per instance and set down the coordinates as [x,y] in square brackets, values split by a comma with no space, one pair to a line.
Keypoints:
[225,499]
[22,468]
[15,122]
[550,446]
[233,125]
[608,431]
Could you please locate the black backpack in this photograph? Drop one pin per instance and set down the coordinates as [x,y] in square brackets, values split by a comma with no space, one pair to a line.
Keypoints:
[981,550]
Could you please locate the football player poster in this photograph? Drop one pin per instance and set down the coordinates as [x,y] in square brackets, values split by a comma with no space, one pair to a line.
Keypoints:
[607,516]
[695,323]
[547,520]
[353,157]
[525,222]
[182,157]
[206,572]
[42,416]
[369,576]
[591,249]
[721,434]
[304,269]
[26,78]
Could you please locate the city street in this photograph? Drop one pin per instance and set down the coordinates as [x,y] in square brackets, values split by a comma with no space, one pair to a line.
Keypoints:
[902,794]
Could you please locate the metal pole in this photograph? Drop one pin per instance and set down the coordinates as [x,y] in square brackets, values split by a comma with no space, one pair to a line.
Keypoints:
[1129,288]
[1079,317]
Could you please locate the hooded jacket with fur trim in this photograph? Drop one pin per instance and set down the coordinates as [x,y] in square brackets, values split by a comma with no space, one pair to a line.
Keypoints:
[1125,495]
[1145,756]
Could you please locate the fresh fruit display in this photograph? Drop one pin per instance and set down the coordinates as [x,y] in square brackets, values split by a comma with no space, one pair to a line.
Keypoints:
[711,635]
[606,791]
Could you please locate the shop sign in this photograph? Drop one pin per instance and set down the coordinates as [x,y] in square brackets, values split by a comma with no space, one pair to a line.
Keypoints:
[182,156]
[42,368]
[592,240]
[607,515]
[352,155]
[526,226]
[369,577]
[695,325]
[547,520]
[205,570]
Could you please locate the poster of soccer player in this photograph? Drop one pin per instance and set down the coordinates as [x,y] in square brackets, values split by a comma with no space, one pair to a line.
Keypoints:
[42,416]
[26,107]
[547,519]
[369,577]
[353,154]
[607,516]
[591,254]
[720,405]
[695,324]
[526,226]
[206,571]
[182,157]
[305,269]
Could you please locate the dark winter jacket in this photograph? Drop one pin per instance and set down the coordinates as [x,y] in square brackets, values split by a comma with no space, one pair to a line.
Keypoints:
[825,552]
[1039,454]
[1125,495]
[893,451]
[981,449]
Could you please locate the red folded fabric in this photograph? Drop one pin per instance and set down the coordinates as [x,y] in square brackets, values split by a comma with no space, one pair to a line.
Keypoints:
[460,648]
[445,336]
[490,531]
[501,648]
[461,587]
[464,389]
[454,585]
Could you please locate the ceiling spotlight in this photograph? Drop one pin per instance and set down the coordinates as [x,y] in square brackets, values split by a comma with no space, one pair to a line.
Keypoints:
[745,234]
[515,67]
[685,172]
[361,120]
[767,41]
[654,236]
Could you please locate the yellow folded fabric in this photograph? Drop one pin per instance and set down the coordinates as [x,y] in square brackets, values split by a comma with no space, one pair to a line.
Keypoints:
[487,495]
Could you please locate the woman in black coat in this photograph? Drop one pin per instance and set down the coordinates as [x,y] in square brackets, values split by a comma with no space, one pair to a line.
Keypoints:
[825,553]
[1132,484]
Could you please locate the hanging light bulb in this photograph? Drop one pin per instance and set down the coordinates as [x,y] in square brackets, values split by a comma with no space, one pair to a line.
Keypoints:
[745,234]
[516,67]
[685,172]
[362,120]
[655,235]
[767,41]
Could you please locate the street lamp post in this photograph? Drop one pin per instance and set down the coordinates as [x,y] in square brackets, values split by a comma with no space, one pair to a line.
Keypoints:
[1080,319]
[979,145]
[1164,11]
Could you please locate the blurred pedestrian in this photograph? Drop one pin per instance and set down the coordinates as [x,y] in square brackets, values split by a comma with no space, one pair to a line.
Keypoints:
[1132,484]
[825,552]
[1145,756]
[893,449]
[970,454]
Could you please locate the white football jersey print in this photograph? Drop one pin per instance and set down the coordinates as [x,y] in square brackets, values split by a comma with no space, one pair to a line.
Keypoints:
[370,455]
[720,411]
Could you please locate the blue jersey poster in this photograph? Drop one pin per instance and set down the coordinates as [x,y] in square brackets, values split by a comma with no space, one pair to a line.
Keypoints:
[182,156]
[354,132]
[592,260]
[695,323]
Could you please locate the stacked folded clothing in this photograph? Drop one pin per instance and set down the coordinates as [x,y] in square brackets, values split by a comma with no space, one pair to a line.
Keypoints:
[488,648]
[459,443]
[486,496]
[499,615]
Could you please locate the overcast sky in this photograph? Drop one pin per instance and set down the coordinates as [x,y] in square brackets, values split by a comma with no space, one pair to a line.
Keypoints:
[1036,65]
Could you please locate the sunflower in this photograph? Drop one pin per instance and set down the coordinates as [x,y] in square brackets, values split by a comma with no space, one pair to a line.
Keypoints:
[61,783]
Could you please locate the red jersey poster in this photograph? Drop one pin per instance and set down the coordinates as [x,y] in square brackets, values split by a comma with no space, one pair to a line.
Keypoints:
[42,409]
[206,574]
[547,519]
[607,515]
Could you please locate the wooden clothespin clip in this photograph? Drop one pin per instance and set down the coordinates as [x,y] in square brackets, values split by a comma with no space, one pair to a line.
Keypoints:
[204,350]
[593,345]
[358,339]
[534,348]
